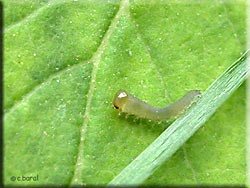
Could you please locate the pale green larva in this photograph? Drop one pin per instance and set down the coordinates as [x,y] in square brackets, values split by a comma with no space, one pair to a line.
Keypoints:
[129,104]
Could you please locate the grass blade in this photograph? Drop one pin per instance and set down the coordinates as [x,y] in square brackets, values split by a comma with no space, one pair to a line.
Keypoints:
[185,126]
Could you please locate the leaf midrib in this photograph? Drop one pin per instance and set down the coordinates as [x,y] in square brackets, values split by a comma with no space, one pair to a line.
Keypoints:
[123,9]
[27,95]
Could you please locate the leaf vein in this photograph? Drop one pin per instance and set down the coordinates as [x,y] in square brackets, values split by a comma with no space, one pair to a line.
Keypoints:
[231,24]
[189,164]
[32,15]
[76,179]
[152,61]
[39,86]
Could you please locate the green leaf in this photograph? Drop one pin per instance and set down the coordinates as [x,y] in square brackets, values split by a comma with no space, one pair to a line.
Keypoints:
[184,127]
[65,60]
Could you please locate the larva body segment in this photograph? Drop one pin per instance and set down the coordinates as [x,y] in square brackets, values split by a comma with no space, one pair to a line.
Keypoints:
[130,104]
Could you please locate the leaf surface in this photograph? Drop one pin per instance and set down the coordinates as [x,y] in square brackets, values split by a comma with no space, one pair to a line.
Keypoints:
[65,60]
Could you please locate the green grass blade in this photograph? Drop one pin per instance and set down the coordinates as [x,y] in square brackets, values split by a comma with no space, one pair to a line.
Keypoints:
[184,127]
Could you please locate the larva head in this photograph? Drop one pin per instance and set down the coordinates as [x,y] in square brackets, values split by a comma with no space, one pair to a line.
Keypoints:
[120,99]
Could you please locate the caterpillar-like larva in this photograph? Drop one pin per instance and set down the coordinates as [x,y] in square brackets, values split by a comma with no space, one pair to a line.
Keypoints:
[130,104]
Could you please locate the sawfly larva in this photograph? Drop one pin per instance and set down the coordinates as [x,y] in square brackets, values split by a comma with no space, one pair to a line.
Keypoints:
[130,104]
